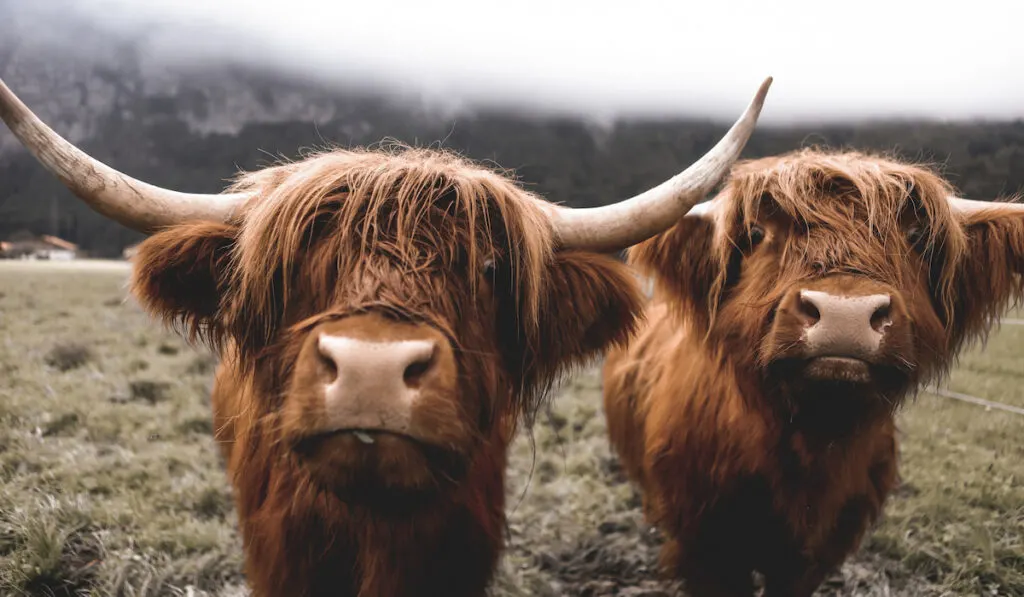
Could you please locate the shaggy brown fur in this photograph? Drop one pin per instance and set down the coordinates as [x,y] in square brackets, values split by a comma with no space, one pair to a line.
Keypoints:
[745,462]
[372,241]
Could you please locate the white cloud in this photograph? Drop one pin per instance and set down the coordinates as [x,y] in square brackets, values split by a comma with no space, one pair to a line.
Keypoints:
[872,58]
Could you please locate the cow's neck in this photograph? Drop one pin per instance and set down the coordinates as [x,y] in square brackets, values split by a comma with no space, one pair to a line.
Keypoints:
[359,553]
[305,541]
[825,435]
[834,416]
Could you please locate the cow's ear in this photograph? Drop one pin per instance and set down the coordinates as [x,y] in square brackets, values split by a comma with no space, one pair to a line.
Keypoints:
[685,262]
[180,275]
[991,274]
[590,302]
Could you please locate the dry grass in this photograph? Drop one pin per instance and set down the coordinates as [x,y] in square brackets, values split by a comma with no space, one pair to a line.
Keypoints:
[110,483]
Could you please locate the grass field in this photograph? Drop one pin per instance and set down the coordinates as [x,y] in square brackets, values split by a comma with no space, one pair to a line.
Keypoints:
[110,483]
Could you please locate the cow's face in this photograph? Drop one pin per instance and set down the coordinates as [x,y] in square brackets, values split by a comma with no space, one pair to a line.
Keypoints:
[840,279]
[831,302]
[389,328]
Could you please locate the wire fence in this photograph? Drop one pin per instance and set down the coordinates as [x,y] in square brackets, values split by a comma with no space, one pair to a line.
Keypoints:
[988,404]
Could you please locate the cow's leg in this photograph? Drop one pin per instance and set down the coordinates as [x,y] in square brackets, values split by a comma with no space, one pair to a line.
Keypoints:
[719,582]
[797,585]
[799,576]
[706,575]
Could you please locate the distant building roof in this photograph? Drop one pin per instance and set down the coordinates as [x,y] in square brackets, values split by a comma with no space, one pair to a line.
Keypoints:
[25,241]
[59,242]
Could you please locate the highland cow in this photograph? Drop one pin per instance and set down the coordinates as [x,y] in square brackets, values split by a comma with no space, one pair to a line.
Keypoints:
[385,320]
[791,317]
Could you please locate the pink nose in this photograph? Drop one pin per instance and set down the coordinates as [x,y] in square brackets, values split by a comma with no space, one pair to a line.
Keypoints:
[364,367]
[844,325]
[376,384]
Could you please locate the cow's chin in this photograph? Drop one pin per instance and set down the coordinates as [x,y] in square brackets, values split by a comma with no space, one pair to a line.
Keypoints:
[835,396]
[840,376]
[379,468]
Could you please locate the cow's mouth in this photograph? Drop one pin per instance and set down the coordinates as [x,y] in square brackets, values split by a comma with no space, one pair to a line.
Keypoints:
[837,368]
[371,464]
[361,444]
[353,438]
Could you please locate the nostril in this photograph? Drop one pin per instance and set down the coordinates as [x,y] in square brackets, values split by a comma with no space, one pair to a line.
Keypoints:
[807,309]
[327,362]
[882,317]
[419,367]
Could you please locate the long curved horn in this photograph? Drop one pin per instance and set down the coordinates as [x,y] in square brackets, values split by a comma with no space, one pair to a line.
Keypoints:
[968,207]
[135,204]
[614,227]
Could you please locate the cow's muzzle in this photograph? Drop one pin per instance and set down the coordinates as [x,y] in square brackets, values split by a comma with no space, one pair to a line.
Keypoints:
[839,329]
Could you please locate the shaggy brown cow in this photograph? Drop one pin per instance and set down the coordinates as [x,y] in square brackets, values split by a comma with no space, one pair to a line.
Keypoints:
[385,319]
[791,316]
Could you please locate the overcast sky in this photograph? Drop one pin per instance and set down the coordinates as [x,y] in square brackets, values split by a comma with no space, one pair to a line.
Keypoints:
[873,58]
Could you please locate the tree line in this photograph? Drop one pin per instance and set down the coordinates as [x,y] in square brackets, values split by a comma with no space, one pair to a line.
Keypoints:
[566,160]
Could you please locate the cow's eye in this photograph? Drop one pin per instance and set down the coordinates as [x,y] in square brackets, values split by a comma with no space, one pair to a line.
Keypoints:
[756,236]
[488,268]
[915,235]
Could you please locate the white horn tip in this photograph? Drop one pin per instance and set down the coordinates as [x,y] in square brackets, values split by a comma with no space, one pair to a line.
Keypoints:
[762,93]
